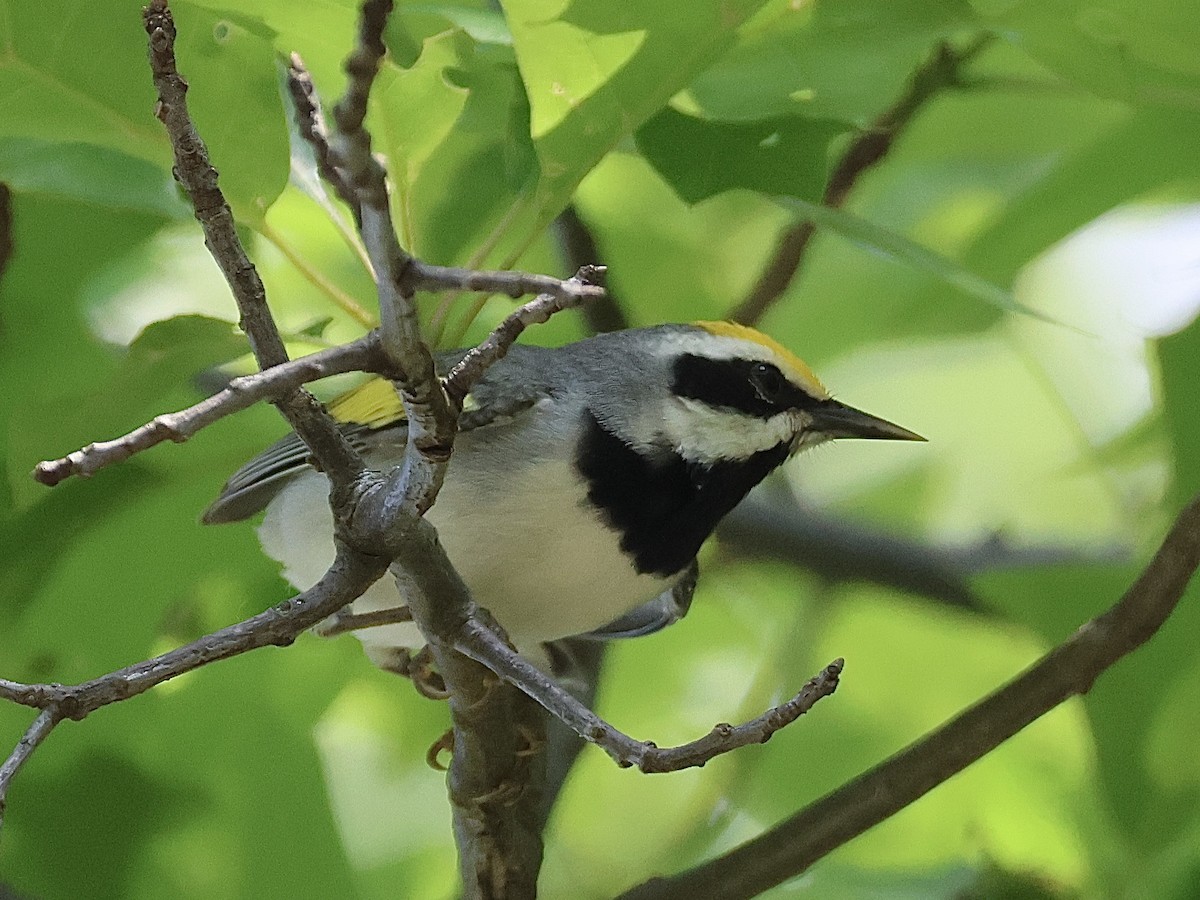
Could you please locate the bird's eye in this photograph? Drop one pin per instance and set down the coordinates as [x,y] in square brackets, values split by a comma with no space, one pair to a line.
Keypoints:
[768,381]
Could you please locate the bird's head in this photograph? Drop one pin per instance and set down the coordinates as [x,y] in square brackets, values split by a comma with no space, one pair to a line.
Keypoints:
[732,392]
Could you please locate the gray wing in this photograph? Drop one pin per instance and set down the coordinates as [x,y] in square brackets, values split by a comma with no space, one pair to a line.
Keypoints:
[253,486]
[509,388]
[666,609]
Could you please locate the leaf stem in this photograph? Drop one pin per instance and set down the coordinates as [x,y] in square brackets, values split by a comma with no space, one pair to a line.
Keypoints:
[318,279]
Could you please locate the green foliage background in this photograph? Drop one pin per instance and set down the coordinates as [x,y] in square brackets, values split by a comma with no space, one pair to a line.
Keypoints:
[300,772]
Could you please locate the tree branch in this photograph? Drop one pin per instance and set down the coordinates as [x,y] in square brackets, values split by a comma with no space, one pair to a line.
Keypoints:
[310,121]
[840,550]
[1068,670]
[578,289]
[350,575]
[579,247]
[475,639]
[194,171]
[241,393]
[940,71]
[496,823]
[37,732]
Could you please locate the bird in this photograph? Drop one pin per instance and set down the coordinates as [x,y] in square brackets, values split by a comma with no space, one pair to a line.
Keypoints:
[583,478]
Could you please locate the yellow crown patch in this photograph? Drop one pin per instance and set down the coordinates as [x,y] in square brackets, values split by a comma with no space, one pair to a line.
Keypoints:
[797,369]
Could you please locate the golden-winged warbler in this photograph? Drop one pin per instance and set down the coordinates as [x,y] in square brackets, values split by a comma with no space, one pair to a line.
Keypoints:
[583,480]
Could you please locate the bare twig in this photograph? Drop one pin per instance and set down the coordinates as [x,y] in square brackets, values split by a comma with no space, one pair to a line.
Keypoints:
[350,575]
[578,246]
[310,121]
[37,732]
[431,417]
[940,71]
[241,393]
[580,288]
[343,622]
[1068,670]
[480,642]
[496,822]
[573,291]
[194,171]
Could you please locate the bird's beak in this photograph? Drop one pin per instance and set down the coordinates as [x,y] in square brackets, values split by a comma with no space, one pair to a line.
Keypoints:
[837,420]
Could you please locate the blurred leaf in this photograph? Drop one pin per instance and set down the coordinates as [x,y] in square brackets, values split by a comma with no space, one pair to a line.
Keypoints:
[1138,52]
[881,240]
[83,854]
[1179,358]
[702,158]
[90,174]
[39,536]
[1146,151]
[841,60]
[487,26]
[53,91]
[170,353]
[235,102]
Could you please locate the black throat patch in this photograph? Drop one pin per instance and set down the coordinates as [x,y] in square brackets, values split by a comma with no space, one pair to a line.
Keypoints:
[662,505]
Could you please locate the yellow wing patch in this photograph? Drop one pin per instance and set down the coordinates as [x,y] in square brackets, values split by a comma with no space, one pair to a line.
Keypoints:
[373,403]
[796,368]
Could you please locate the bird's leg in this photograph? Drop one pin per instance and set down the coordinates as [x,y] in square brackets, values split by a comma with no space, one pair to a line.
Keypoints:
[419,669]
[445,742]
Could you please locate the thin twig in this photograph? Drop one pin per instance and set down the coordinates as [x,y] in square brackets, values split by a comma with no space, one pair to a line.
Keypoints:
[241,393]
[940,71]
[496,820]
[431,417]
[510,282]
[37,732]
[578,246]
[194,171]
[578,289]
[477,640]
[343,622]
[350,575]
[1068,670]
[310,121]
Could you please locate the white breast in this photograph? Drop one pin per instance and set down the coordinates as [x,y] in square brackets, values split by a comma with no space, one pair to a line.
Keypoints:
[544,566]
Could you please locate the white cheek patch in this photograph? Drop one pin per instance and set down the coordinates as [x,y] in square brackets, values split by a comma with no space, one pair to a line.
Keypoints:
[704,434]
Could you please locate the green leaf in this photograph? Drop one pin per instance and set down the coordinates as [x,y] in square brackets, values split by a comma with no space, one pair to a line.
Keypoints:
[1148,150]
[882,240]
[701,158]
[1179,359]
[235,101]
[90,174]
[593,74]
[51,88]
[487,26]
[843,60]
[53,91]
[455,127]
[1134,51]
